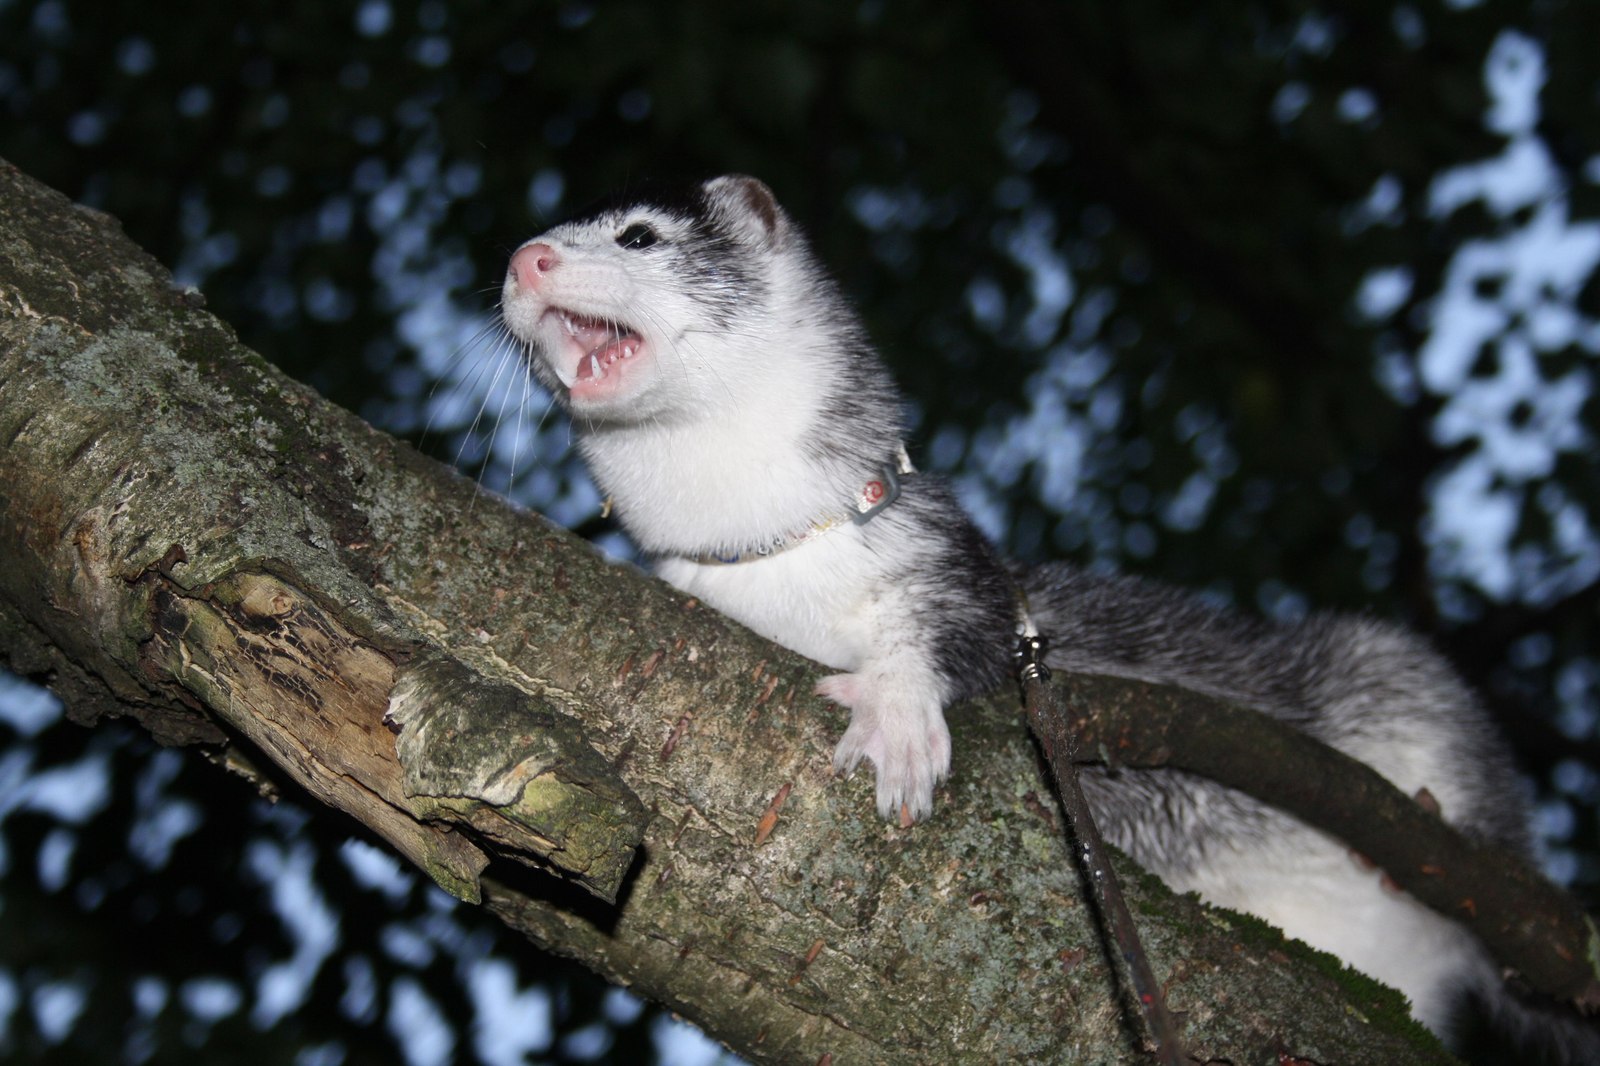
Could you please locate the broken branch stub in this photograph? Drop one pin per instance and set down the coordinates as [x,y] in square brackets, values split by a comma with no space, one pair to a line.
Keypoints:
[472,753]
[486,754]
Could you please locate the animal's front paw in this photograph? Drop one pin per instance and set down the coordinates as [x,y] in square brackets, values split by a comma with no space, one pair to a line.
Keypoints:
[904,738]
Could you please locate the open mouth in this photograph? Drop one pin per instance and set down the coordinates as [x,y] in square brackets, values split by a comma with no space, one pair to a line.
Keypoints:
[604,344]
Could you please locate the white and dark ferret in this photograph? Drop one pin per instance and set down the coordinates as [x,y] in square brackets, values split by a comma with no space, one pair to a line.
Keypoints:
[727,399]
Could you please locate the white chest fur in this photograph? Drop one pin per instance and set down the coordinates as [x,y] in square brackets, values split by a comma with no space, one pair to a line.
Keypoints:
[811,598]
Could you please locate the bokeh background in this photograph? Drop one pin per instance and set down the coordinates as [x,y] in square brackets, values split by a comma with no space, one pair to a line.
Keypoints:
[1294,304]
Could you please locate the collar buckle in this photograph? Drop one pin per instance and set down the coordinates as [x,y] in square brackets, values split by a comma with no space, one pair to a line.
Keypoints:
[870,501]
[882,490]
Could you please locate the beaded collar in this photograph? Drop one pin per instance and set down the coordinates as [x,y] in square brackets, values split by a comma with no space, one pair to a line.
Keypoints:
[870,501]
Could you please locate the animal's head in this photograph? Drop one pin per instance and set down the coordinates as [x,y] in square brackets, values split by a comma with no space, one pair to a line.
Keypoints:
[646,304]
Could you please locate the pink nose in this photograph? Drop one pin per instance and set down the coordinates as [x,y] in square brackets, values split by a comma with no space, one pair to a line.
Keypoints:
[531,263]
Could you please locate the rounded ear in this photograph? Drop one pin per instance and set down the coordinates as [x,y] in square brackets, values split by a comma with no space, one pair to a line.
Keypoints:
[749,207]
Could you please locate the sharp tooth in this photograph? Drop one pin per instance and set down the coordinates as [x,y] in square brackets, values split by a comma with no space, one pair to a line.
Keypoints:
[594,367]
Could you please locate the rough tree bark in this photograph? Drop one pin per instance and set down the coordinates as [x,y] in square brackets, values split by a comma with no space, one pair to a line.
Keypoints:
[195,541]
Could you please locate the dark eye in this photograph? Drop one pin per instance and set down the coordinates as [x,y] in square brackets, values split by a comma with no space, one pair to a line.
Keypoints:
[637,235]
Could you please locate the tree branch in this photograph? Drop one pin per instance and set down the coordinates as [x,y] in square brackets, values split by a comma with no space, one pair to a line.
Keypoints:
[1527,923]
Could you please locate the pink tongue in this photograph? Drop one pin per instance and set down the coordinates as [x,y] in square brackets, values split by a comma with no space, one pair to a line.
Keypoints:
[608,352]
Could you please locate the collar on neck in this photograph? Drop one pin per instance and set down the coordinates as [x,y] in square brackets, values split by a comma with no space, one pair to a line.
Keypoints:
[876,495]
